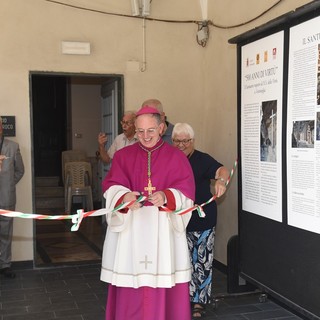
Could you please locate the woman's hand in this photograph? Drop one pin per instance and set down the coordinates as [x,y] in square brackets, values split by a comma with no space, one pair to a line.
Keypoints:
[220,188]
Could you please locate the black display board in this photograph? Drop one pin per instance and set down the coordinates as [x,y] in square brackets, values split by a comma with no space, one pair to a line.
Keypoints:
[282,260]
[9,126]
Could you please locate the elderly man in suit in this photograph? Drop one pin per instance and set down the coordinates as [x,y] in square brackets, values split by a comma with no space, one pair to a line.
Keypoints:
[11,171]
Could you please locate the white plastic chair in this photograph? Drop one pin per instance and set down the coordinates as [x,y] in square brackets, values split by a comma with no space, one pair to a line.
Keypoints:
[78,181]
[71,155]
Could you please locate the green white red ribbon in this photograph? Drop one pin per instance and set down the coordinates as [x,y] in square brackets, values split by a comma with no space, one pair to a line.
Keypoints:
[80,215]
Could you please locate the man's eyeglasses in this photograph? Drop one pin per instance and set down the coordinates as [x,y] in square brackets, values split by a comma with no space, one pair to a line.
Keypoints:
[150,131]
[128,123]
[184,142]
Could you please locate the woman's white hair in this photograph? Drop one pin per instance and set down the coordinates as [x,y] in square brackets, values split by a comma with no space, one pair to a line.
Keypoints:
[183,128]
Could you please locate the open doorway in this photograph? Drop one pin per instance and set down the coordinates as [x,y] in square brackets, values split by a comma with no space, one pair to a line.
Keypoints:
[67,112]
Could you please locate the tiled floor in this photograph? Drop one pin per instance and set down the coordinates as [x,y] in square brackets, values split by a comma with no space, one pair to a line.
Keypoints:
[56,244]
[76,293]
[73,293]
[66,284]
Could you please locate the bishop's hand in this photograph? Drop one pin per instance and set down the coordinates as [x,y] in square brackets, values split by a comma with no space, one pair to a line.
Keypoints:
[132,196]
[158,198]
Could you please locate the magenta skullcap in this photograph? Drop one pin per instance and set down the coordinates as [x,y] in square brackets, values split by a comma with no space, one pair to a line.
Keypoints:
[147,110]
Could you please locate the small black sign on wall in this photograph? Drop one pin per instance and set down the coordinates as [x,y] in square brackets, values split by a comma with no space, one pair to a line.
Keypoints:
[9,126]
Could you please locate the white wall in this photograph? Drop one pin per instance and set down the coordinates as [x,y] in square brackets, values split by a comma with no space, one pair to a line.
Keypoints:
[195,84]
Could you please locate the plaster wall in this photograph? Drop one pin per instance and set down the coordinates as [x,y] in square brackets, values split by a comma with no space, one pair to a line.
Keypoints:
[195,84]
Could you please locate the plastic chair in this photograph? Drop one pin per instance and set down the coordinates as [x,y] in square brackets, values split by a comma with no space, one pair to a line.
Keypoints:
[71,155]
[78,180]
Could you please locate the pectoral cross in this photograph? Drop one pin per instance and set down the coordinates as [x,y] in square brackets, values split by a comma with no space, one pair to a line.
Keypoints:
[149,188]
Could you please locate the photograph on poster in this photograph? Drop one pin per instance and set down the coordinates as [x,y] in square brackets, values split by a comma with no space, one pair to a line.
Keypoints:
[268,131]
[303,134]
[318,77]
[318,87]
[318,126]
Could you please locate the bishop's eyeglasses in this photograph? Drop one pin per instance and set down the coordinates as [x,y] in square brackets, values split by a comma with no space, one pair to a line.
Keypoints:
[150,131]
[184,141]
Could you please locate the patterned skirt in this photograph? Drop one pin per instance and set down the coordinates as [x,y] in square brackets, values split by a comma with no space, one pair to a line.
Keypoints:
[201,247]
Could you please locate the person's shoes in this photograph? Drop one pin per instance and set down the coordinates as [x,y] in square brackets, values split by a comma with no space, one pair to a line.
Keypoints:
[198,311]
[7,272]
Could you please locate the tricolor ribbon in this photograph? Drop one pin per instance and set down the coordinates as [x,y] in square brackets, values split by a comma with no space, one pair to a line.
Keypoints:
[80,215]
[199,207]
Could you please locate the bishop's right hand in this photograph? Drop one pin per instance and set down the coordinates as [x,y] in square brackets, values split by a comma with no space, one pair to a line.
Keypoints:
[131,196]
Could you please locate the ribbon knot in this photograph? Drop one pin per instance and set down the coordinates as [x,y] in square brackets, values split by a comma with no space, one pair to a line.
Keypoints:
[200,212]
[76,219]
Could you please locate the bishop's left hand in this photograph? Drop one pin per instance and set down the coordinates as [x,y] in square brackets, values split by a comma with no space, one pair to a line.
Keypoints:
[158,198]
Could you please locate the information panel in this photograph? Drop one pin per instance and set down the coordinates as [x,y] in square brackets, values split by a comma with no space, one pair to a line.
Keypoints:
[261,122]
[303,126]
